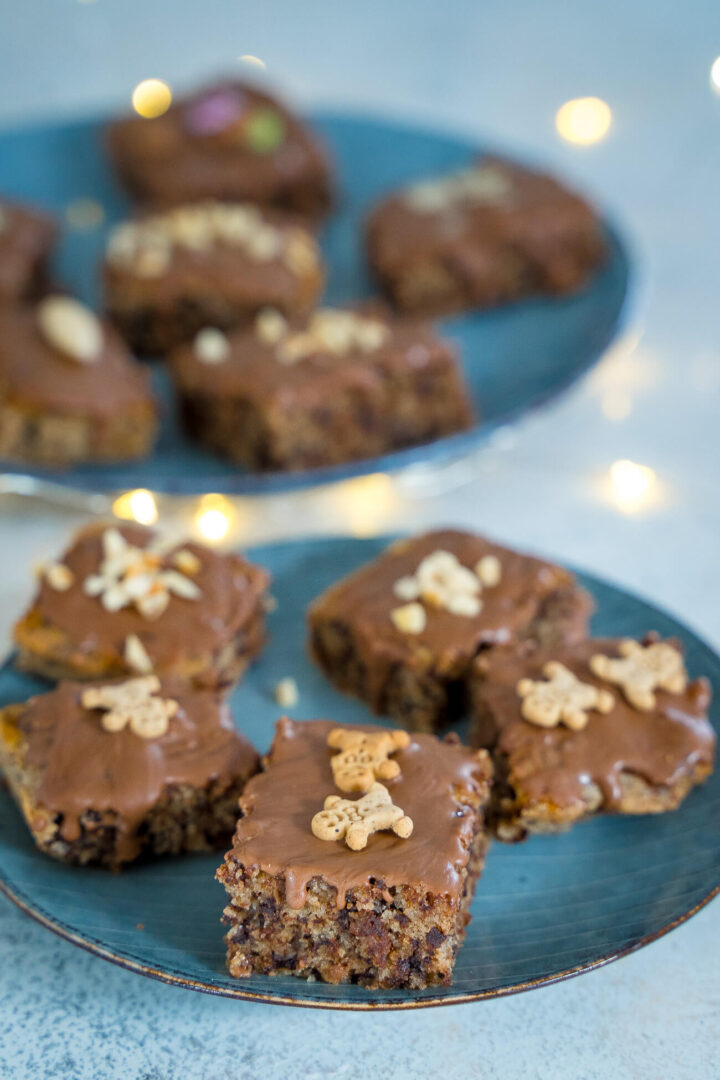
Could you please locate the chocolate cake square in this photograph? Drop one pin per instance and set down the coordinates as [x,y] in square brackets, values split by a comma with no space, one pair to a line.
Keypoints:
[70,391]
[27,237]
[211,264]
[122,600]
[482,236]
[343,385]
[402,632]
[601,726]
[228,141]
[342,886]
[106,773]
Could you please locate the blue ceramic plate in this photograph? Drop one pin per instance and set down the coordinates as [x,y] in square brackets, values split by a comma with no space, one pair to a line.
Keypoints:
[515,358]
[544,910]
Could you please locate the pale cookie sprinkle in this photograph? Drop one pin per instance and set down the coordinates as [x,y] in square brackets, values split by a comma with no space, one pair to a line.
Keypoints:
[562,699]
[356,821]
[130,575]
[286,693]
[132,704]
[409,619]
[136,656]
[364,757]
[145,247]
[211,346]
[335,331]
[489,571]
[479,184]
[59,576]
[71,328]
[642,669]
[270,326]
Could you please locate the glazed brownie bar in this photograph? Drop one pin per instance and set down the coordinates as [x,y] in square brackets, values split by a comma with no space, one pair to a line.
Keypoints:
[212,264]
[403,631]
[229,141]
[106,773]
[482,236]
[69,390]
[369,888]
[342,386]
[122,600]
[27,238]
[602,726]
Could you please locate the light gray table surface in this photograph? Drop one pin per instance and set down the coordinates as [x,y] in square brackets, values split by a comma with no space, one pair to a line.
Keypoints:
[498,70]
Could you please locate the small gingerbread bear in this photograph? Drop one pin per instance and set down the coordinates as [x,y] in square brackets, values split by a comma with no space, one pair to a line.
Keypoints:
[364,757]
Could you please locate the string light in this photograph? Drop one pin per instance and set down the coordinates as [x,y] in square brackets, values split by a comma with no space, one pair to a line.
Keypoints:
[715,75]
[213,517]
[254,61]
[583,120]
[151,98]
[365,504]
[633,487]
[138,505]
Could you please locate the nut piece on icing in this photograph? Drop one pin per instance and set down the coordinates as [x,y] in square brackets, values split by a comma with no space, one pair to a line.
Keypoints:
[131,575]
[489,571]
[357,821]
[136,656]
[563,699]
[270,326]
[71,328]
[59,576]
[364,757]
[211,346]
[132,704]
[409,619]
[641,669]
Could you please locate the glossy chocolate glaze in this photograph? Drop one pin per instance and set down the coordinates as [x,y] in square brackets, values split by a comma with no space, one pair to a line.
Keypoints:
[553,766]
[218,273]
[477,238]
[82,767]
[168,164]
[26,238]
[231,591]
[254,371]
[437,784]
[363,602]
[34,375]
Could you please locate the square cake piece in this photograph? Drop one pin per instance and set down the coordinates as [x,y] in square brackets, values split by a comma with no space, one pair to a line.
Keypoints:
[27,237]
[70,391]
[168,276]
[338,875]
[482,236]
[105,773]
[228,141]
[344,385]
[124,601]
[602,726]
[402,632]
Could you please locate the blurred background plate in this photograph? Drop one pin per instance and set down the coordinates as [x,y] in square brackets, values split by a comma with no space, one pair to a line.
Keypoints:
[544,910]
[515,357]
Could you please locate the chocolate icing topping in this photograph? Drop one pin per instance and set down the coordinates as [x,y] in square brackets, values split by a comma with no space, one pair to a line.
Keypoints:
[555,765]
[434,782]
[179,166]
[254,370]
[448,643]
[230,587]
[35,375]
[81,767]
[25,239]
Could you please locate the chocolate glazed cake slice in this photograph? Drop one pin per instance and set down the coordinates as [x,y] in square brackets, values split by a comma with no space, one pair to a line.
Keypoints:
[364,879]
[602,726]
[402,632]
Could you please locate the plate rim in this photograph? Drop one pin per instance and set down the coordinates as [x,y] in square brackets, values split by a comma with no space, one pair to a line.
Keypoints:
[433,453]
[57,926]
